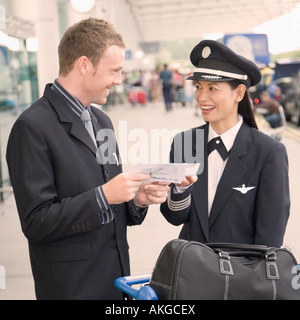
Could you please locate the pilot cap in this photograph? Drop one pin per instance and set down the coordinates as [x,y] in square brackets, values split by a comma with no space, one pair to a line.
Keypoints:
[216,62]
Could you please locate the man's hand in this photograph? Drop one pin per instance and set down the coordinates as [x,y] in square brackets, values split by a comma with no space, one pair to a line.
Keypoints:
[154,193]
[123,187]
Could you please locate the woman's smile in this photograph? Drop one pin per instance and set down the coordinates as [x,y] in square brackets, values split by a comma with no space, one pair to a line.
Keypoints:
[207,109]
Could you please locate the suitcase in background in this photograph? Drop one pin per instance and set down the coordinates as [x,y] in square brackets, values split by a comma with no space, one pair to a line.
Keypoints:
[137,95]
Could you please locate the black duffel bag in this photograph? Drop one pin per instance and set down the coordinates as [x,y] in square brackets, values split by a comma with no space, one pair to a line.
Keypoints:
[191,270]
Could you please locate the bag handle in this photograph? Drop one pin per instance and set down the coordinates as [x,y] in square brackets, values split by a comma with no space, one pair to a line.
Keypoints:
[240,253]
[238,246]
[243,250]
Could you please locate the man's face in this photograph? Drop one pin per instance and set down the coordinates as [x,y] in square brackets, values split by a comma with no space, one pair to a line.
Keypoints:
[105,75]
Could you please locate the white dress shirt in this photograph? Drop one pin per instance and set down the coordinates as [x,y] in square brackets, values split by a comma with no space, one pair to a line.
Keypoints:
[216,164]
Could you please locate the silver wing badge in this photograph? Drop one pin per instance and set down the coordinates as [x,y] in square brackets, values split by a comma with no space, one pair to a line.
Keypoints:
[243,189]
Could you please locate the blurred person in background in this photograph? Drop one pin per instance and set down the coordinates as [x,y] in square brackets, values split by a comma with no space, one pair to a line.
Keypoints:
[270,108]
[178,88]
[166,77]
[155,88]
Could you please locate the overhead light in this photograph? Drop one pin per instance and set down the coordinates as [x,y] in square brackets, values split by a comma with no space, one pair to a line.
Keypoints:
[83,5]
[32,44]
[146,61]
[139,54]
[11,43]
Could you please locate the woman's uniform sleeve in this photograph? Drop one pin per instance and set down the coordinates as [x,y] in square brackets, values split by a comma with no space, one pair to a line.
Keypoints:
[273,198]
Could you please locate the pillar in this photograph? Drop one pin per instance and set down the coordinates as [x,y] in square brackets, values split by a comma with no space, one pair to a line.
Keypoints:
[44,14]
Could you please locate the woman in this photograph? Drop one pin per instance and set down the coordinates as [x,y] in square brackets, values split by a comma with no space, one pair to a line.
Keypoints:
[242,195]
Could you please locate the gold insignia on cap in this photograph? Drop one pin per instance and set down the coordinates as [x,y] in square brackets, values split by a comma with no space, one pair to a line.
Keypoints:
[206,52]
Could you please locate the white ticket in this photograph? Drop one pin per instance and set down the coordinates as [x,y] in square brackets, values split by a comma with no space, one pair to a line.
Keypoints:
[167,172]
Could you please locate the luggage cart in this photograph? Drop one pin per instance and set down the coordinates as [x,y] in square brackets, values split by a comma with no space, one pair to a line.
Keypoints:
[125,284]
[137,95]
[144,293]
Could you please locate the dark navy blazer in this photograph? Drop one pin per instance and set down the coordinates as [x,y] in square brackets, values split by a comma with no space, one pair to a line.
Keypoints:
[54,173]
[258,216]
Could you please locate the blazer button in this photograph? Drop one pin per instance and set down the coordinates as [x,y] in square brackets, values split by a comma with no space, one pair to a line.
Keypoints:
[106,174]
[115,209]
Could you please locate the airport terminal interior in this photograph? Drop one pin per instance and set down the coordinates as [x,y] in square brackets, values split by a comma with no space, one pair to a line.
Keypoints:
[30,31]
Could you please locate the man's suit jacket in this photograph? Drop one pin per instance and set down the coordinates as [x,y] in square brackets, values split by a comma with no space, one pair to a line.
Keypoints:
[53,169]
[258,216]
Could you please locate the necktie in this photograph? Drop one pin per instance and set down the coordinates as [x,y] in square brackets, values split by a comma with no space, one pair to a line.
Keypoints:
[218,144]
[87,121]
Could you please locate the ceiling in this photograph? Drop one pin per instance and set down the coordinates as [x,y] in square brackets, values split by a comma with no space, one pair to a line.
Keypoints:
[160,20]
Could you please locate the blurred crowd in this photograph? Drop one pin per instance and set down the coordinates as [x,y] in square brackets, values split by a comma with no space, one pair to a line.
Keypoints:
[142,86]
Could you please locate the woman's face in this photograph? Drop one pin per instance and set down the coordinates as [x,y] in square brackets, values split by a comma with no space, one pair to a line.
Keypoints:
[219,103]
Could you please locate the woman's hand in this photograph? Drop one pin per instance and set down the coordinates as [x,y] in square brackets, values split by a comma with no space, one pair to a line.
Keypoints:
[187,181]
[123,187]
[153,193]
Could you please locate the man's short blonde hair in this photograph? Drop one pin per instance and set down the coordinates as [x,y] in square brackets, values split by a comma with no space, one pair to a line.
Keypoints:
[90,38]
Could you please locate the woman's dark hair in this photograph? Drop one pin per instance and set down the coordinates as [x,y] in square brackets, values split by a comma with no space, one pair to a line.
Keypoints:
[245,108]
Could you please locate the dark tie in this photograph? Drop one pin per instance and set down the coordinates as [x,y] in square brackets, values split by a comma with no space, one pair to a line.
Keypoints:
[218,144]
[87,121]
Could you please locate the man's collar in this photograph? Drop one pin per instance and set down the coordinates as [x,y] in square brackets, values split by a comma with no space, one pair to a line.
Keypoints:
[72,101]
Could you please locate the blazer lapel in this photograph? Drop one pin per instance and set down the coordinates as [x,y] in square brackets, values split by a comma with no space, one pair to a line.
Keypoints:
[80,132]
[200,191]
[232,175]
[66,115]
[112,162]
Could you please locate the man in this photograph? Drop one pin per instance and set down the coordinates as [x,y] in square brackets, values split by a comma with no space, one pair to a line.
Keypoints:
[271,106]
[74,203]
[166,78]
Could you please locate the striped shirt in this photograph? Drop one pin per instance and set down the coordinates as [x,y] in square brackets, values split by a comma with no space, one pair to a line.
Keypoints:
[106,212]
